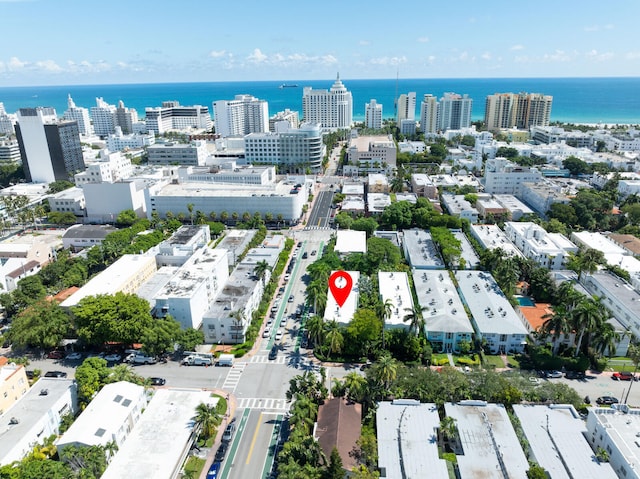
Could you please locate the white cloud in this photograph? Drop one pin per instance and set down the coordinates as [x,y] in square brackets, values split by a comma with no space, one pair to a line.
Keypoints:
[559,56]
[632,55]
[598,28]
[16,64]
[293,59]
[486,56]
[599,57]
[388,60]
[423,40]
[217,54]
[364,43]
[48,66]
[516,48]
[257,56]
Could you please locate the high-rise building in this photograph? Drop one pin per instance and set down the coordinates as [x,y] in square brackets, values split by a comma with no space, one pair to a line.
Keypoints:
[287,115]
[454,112]
[6,122]
[333,109]
[126,118]
[104,118]
[406,107]
[429,114]
[173,116]
[517,110]
[241,116]
[9,152]
[373,115]
[80,115]
[50,149]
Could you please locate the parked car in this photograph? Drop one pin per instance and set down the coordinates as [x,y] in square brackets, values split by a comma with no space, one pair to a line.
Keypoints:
[273,353]
[606,400]
[287,276]
[214,470]
[55,354]
[113,358]
[575,375]
[299,244]
[221,452]
[554,374]
[143,359]
[266,333]
[290,300]
[158,381]
[279,335]
[305,255]
[624,376]
[197,361]
[228,432]
[314,252]
[73,356]
[55,374]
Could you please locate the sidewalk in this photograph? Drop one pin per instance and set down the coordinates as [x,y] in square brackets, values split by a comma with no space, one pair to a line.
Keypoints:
[231,410]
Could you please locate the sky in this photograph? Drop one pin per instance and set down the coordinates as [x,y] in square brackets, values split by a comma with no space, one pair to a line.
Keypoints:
[71,42]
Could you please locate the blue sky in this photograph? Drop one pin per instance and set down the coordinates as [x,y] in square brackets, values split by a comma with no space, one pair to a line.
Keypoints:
[63,42]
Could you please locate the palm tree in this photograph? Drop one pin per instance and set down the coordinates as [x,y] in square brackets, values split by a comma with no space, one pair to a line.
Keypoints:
[557,324]
[356,385]
[110,449]
[387,309]
[317,292]
[415,319]
[190,210]
[235,216]
[385,370]
[586,261]
[588,316]
[246,216]
[315,327]
[449,429]
[213,215]
[224,216]
[333,337]
[261,268]
[206,419]
[239,319]
[606,339]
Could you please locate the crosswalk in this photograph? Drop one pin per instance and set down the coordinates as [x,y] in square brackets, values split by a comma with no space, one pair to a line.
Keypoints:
[309,228]
[265,404]
[233,378]
[264,359]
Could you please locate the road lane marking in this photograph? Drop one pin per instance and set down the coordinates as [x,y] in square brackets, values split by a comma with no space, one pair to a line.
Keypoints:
[253,441]
[228,463]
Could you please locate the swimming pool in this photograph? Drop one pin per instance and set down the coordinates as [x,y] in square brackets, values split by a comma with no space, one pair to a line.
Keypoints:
[525,301]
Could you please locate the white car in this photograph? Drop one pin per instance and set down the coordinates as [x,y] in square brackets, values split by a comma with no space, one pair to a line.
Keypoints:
[73,356]
[266,332]
[113,358]
[279,335]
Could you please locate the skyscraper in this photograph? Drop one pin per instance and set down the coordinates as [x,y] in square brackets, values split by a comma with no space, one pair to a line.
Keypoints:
[172,115]
[50,148]
[373,115]
[454,112]
[429,114]
[406,107]
[333,109]
[517,110]
[126,118]
[79,115]
[241,116]
[104,118]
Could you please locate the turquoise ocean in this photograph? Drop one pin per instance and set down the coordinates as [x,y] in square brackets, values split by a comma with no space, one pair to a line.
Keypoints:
[575,100]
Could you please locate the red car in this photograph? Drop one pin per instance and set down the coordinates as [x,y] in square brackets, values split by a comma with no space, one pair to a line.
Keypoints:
[55,354]
[623,376]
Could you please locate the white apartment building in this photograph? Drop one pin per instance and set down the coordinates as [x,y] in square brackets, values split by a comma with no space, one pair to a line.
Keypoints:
[110,416]
[373,114]
[78,237]
[394,287]
[628,187]
[454,112]
[182,244]
[549,250]
[502,177]
[228,318]
[420,250]
[429,114]
[333,109]
[68,201]
[406,107]
[241,116]
[103,116]
[287,115]
[516,209]
[456,205]
[492,237]
[408,126]
[540,196]
[372,149]
[517,110]
[173,116]
[446,321]
[126,118]
[343,314]
[110,166]
[104,201]
[193,287]
[493,317]
[556,134]
[350,241]
[377,202]
[194,153]
[6,121]
[10,152]
[79,115]
[294,150]
[119,141]
[422,185]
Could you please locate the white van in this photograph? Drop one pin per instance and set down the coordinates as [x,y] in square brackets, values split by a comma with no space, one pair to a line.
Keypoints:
[197,361]
[225,360]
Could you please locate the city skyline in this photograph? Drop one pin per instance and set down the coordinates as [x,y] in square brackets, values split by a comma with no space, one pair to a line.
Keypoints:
[144,42]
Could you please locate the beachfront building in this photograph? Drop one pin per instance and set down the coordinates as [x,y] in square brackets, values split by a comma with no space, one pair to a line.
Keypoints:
[109,417]
[494,319]
[13,383]
[373,115]
[406,107]
[228,317]
[291,117]
[173,116]
[549,250]
[159,444]
[420,250]
[429,114]
[456,205]
[616,431]
[343,314]
[446,322]
[35,417]
[502,177]
[394,287]
[79,115]
[293,150]
[103,117]
[407,433]
[126,118]
[488,442]
[517,110]
[333,108]
[492,237]
[454,112]
[194,153]
[50,149]
[241,116]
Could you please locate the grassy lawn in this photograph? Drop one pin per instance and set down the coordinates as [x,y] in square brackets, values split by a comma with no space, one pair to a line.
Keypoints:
[194,465]
[513,362]
[495,361]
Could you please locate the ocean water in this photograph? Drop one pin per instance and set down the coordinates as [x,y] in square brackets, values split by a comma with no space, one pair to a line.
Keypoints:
[576,100]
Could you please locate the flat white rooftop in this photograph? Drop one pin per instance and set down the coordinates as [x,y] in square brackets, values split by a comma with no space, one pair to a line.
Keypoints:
[159,442]
[395,287]
[344,314]
[599,242]
[622,429]
[407,440]
[468,253]
[421,251]
[492,237]
[351,241]
[556,436]
[486,434]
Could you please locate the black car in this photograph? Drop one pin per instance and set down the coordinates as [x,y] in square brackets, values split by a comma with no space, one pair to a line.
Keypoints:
[221,452]
[606,400]
[55,374]
[273,353]
[305,255]
[158,381]
[30,374]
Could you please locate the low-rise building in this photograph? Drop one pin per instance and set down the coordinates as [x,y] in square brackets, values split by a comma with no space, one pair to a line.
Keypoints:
[490,208]
[422,185]
[78,237]
[176,250]
[516,209]
[456,205]
[394,287]
[377,183]
[68,201]
[132,141]
[371,154]
[493,318]
[13,383]
[540,196]
[343,314]
[339,426]
[377,202]
[446,321]
[353,204]
[35,417]
[489,444]
[170,153]
[420,250]
[549,250]
[350,241]
[407,432]
[492,237]
[109,417]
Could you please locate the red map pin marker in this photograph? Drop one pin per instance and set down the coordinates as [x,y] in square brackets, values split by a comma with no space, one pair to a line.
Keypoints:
[340,284]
